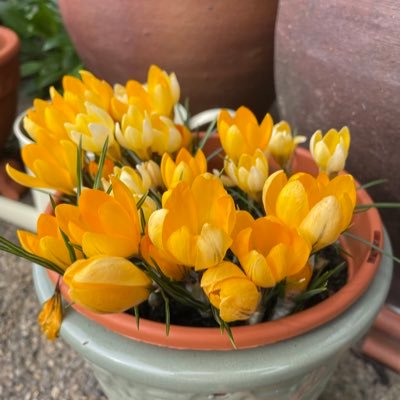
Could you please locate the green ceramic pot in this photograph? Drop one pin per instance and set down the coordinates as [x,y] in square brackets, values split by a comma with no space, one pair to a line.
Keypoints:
[297,368]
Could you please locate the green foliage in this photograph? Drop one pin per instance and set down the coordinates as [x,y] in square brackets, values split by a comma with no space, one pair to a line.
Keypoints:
[46,51]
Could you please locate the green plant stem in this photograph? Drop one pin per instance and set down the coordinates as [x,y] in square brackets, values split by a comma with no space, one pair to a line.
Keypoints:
[372,183]
[366,242]
[208,133]
[364,207]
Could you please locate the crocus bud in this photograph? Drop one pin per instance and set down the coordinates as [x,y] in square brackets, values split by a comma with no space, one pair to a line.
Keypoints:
[51,315]
[231,291]
[282,144]
[107,284]
[330,151]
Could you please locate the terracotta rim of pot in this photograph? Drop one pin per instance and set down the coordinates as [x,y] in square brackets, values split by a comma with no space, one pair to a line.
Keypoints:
[9,44]
[362,268]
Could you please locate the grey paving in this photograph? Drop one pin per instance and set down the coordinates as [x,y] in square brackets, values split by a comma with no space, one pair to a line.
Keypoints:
[31,367]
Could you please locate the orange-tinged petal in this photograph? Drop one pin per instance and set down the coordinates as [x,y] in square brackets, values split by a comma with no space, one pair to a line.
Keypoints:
[55,250]
[277,261]
[66,214]
[181,245]
[55,176]
[94,244]
[340,185]
[47,226]
[124,196]
[181,204]
[224,270]
[213,204]
[168,266]
[25,179]
[272,187]
[115,221]
[118,300]
[267,232]
[107,284]
[257,269]
[292,204]
[241,242]
[29,241]
[89,203]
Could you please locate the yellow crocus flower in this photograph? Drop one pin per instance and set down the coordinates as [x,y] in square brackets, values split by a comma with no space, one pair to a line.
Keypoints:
[132,94]
[48,242]
[168,265]
[230,291]
[49,116]
[159,95]
[330,151]
[87,89]
[250,172]
[94,127]
[151,174]
[195,223]
[107,284]
[144,133]
[282,144]
[138,188]
[163,89]
[184,169]
[103,224]
[52,163]
[242,133]
[51,315]
[269,251]
[321,209]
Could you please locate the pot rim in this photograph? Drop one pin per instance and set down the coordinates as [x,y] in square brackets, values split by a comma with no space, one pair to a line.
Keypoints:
[11,44]
[183,337]
[236,370]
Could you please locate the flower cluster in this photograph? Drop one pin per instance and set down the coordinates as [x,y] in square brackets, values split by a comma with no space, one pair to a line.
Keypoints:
[138,213]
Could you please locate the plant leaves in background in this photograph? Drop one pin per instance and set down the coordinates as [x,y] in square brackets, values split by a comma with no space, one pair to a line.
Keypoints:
[46,51]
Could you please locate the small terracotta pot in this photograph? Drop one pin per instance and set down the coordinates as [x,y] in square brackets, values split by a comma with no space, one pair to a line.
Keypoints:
[383,341]
[362,268]
[221,51]
[9,80]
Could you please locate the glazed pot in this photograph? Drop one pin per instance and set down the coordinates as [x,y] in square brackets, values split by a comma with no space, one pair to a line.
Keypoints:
[362,267]
[296,368]
[9,80]
[336,64]
[221,51]
[199,363]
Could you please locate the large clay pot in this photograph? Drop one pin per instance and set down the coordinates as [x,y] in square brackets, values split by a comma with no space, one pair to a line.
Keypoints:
[337,63]
[9,79]
[221,51]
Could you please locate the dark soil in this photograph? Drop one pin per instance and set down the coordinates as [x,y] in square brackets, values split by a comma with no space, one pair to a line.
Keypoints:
[187,316]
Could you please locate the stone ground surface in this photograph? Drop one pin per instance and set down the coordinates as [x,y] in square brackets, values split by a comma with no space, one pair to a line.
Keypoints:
[31,367]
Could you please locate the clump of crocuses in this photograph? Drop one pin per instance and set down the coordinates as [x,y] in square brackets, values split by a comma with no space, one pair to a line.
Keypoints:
[139,212]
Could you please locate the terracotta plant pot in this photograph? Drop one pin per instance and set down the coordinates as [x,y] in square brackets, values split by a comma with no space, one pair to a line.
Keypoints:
[362,268]
[336,64]
[221,51]
[9,80]
[383,341]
